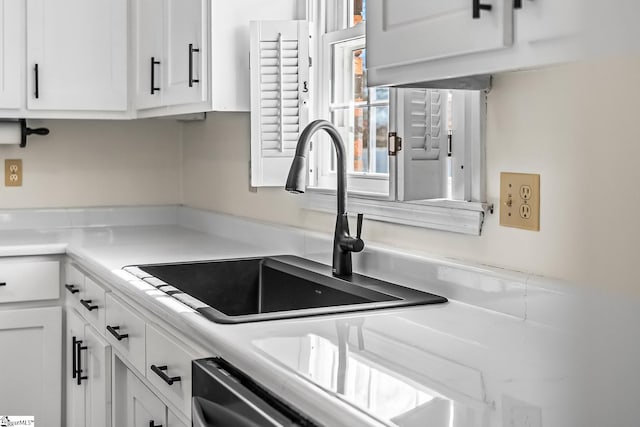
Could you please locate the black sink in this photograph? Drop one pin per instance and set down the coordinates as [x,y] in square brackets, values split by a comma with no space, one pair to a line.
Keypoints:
[255,289]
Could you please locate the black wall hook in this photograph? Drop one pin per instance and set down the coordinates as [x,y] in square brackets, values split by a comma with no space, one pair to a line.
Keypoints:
[25,131]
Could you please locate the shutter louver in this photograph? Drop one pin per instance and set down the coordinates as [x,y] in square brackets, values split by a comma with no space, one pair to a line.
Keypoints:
[422,160]
[279,97]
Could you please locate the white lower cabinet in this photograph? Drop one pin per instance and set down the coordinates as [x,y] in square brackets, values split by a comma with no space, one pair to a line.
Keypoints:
[121,370]
[88,375]
[169,367]
[136,405]
[144,409]
[98,385]
[30,364]
[75,397]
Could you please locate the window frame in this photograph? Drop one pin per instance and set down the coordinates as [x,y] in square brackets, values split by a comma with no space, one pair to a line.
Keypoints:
[321,178]
[460,216]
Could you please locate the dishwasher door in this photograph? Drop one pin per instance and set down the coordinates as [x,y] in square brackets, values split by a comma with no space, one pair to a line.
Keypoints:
[225,397]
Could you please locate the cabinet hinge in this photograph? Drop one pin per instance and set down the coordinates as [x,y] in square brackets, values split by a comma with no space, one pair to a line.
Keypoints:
[449,143]
[310,62]
[395,143]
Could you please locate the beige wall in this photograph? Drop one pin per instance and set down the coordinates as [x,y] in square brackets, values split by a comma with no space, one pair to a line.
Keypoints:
[576,125]
[97,163]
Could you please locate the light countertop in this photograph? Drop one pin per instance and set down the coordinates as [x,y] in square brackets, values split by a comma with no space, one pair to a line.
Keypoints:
[450,365]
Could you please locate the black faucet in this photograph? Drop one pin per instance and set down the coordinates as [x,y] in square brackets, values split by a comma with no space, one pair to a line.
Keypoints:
[343,242]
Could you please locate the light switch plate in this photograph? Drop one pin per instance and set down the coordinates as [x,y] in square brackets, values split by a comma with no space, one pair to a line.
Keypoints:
[520,200]
[13,173]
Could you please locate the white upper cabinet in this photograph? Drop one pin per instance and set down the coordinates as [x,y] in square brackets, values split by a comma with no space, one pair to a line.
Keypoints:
[416,41]
[77,55]
[187,52]
[172,55]
[123,59]
[11,53]
[408,31]
[150,53]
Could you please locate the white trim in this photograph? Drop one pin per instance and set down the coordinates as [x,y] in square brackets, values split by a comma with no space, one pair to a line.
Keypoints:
[439,214]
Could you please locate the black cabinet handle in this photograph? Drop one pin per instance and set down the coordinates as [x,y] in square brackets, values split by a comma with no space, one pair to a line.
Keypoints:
[87,304]
[477,7]
[152,424]
[191,51]
[36,75]
[114,331]
[72,289]
[517,4]
[154,89]
[159,370]
[79,348]
[74,357]
[3,283]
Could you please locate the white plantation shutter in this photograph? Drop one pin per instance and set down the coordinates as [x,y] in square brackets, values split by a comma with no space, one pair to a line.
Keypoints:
[279,97]
[422,160]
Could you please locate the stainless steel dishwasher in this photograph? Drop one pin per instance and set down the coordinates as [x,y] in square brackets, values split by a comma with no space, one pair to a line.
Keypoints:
[223,396]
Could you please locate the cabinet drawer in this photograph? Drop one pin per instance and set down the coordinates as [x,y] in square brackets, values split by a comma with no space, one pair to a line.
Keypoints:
[73,283]
[92,303]
[29,280]
[169,368]
[125,330]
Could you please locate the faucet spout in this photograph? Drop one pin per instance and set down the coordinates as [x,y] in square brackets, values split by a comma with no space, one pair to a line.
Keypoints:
[343,243]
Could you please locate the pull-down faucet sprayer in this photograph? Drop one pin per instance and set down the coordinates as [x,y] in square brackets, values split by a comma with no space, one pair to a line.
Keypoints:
[343,243]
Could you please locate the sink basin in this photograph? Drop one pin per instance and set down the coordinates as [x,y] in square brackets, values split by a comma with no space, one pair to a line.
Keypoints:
[267,288]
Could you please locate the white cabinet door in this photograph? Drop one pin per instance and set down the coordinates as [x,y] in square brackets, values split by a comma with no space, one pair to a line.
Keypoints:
[75,398]
[12,41]
[401,32]
[186,70]
[97,366]
[150,53]
[144,409]
[77,55]
[31,361]
[539,20]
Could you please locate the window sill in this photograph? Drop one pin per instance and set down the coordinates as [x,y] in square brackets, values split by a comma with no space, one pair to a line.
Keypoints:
[438,214]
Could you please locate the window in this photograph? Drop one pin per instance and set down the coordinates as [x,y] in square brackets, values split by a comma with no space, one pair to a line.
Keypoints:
[360,113]
[435,180]
[439,128]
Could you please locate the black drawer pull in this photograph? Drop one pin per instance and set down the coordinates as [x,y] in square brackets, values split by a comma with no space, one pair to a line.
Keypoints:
[36,91]
[114,331]
[152,424]
[477,7]
[154,89]
[87,304]
[72,289]
[159,370]
[191,52]
[517,4]
[3,283]
[79,349]
[74,357]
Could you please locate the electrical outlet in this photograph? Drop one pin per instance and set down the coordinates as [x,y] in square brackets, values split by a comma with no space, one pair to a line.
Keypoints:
[13,173]
[520,200]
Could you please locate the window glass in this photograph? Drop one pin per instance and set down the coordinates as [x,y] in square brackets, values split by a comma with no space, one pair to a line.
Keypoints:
[357,12]
[360,113]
